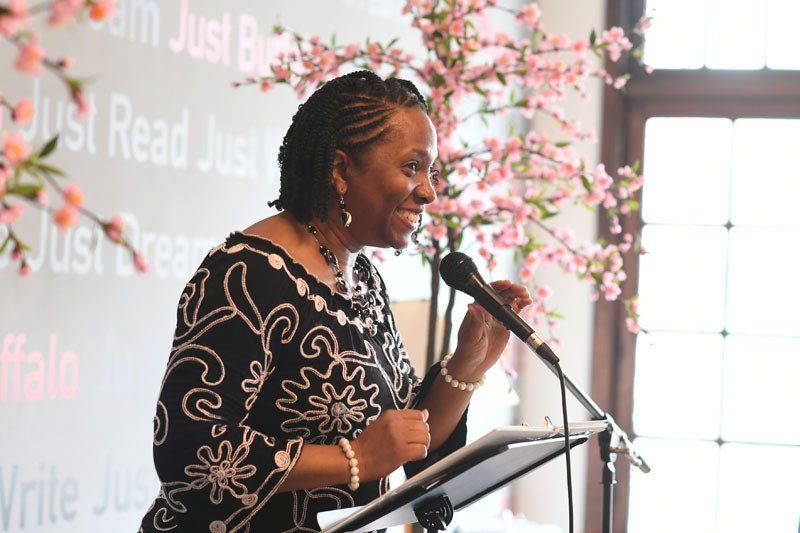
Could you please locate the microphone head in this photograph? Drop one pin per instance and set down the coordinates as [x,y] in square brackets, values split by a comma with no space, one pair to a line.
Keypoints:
[459,271]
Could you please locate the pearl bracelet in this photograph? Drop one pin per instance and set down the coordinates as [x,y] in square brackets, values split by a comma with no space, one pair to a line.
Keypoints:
[352,461]
[456,384]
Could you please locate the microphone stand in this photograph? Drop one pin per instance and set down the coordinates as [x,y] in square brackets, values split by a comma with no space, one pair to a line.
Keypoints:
[458,271]
[613,441]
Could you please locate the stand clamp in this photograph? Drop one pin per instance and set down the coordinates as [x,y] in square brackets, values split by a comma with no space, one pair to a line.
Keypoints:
[435,514]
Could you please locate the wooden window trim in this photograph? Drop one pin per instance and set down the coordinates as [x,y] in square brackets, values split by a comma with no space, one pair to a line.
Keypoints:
[703,92]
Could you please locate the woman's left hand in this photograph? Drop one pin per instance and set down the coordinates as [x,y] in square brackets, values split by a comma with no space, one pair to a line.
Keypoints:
[481,338]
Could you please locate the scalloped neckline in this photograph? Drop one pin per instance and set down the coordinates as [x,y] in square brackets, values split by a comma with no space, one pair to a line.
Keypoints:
[300,266]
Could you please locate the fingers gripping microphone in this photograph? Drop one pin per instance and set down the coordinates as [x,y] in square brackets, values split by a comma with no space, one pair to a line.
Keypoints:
[460,272]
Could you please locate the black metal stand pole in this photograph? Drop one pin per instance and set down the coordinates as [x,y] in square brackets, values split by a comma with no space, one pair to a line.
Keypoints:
[609,479]
[612,441]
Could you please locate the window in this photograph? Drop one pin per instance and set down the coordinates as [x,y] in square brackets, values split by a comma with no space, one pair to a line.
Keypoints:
[718,293]
[710,394]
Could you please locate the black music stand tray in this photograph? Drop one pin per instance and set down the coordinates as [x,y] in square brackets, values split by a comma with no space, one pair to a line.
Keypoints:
[463,477]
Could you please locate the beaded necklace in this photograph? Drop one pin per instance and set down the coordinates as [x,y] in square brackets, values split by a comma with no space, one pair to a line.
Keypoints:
[365,296]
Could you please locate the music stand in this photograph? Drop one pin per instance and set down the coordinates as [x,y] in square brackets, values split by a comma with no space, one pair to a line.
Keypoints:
[463,477]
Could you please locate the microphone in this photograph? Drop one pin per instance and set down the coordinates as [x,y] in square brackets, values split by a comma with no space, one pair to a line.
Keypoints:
[460,272]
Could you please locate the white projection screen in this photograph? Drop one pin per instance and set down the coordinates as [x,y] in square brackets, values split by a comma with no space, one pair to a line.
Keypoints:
[84,340]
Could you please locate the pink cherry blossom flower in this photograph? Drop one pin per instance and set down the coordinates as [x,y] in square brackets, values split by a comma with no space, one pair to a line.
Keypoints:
[632,325]
[525,274]
[580,48]
[543,292]
[83,109]
[16,20]
[65,217]
[561,41]
[531,15]
[66,62]
[25,269]
[62,12]
[11,214]
[611,292]
[351,50]
[280,72]
[437,231]
[15,149]
[23,113]
[114,227]
[29,60]
[72,194]
[140,263]
[102,10]
[42,197]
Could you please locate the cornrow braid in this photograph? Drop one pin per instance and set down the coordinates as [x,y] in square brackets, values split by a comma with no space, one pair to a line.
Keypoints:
[348,113]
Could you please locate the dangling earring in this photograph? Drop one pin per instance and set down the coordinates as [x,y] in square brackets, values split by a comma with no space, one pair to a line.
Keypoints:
[398,252]
[415,235]
[347,218]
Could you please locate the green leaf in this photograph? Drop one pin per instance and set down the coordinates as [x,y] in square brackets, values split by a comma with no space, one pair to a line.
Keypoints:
[593,37]
[5,244]
[501,77]
[562,144]
[26,190]
[16,175]
[49,147]
[51,169]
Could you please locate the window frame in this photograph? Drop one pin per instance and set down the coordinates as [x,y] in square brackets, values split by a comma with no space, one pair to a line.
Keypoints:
[701,92]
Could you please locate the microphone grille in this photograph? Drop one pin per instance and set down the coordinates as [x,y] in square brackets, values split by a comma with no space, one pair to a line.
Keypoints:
[455,270]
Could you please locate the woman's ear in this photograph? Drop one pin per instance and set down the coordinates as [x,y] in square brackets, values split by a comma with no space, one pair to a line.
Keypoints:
[339,174]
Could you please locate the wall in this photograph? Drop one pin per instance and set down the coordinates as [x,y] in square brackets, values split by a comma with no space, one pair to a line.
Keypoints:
[542,496]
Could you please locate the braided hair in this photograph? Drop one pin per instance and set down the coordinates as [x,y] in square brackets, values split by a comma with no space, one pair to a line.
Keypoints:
[349,113]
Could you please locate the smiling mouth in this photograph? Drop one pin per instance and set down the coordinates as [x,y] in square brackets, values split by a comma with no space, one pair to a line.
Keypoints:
[409,217]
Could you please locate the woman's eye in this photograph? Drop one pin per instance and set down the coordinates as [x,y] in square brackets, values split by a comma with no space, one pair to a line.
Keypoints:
[414,166]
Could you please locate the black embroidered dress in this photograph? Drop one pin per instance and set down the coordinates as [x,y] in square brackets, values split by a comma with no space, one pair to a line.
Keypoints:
[266,358]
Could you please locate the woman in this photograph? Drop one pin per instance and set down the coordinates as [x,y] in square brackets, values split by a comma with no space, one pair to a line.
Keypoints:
[288,390]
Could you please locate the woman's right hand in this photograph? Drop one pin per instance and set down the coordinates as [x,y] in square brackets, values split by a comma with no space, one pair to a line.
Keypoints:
[395,438]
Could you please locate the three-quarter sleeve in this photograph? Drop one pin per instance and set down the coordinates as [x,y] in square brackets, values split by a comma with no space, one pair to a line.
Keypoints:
[216,470]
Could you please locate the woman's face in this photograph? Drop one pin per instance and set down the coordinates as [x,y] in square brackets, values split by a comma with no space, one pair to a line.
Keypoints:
[389,184]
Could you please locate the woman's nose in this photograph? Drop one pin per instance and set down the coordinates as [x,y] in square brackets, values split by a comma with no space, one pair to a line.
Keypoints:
[425,191]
